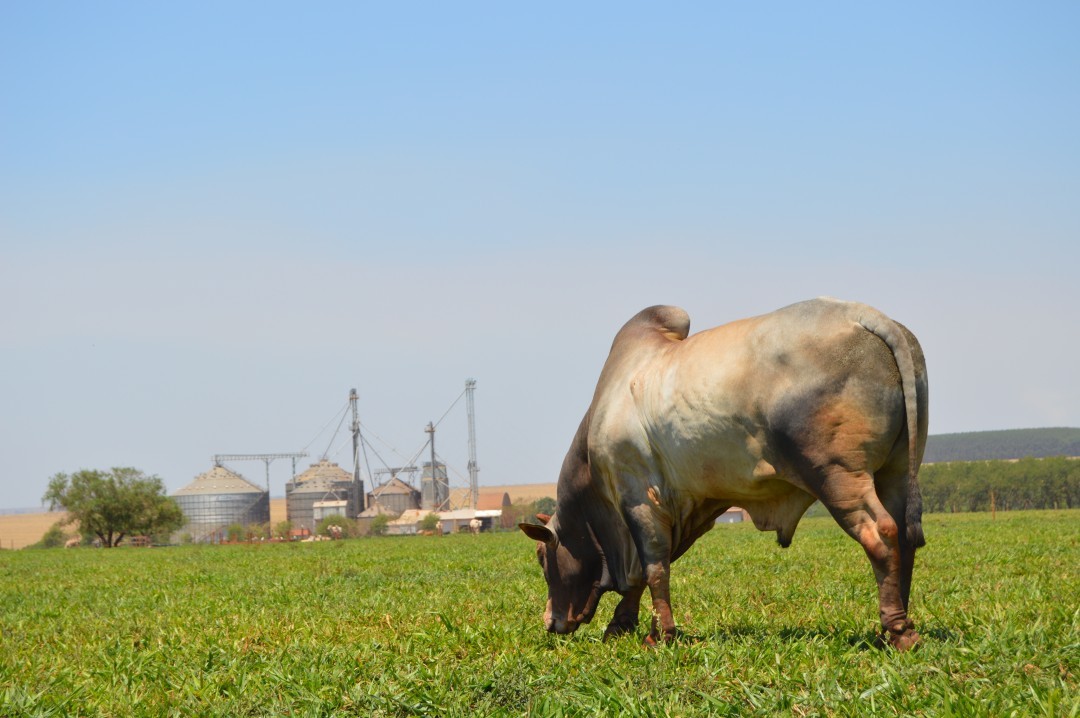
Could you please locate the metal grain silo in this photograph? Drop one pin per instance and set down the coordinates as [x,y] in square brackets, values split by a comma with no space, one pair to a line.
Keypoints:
[394,497]
[434,488]
[219,498]
[325,483]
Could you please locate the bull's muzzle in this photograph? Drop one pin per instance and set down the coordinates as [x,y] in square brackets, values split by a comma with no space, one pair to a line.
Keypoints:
[562,626]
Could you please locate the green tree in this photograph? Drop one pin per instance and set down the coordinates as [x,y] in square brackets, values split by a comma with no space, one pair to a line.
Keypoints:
[235,533]
[379,525]
[113,504]
[526,511]
[282,529]
[347,527]
[429,522]
[545,505]
[53,538]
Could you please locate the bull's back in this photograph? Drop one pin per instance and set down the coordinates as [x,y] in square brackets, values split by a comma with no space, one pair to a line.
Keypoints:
[729,412]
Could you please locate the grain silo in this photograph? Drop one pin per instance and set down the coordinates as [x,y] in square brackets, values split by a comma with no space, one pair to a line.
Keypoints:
[394,497]
[434,488]
[324,489]
[218,499]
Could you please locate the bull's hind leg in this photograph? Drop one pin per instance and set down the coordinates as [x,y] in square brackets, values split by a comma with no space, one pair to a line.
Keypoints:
[891,489]
[853,502]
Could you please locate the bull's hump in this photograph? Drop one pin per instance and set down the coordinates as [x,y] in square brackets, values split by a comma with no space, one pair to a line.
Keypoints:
[672,323]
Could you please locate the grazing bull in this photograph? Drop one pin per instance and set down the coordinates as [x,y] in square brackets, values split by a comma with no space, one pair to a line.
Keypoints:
[823,400]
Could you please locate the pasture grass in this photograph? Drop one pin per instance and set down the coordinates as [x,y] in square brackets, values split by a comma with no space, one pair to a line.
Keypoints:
[451,627]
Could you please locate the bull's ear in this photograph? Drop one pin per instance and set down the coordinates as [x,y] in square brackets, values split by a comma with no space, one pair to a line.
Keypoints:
[543,518]
[538,533]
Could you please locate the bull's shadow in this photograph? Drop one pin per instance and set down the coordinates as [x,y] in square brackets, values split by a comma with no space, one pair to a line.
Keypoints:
[862,640]
[865,640]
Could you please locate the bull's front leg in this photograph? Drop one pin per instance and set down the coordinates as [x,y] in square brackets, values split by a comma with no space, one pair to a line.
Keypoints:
[626,614]
[650,526]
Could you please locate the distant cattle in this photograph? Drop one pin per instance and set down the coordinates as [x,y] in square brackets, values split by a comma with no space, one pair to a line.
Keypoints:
[820,400]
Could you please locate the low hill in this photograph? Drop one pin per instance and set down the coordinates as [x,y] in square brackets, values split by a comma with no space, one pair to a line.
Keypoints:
[1007,444]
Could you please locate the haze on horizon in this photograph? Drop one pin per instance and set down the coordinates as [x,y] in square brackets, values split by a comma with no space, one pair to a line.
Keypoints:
[216,220]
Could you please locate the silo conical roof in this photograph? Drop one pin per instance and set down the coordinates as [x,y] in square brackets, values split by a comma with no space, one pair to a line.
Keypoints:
[324,469]
[219,480]
[321,477]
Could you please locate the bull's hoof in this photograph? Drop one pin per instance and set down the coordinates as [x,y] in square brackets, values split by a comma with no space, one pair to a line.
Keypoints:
[654,639]
[904,641]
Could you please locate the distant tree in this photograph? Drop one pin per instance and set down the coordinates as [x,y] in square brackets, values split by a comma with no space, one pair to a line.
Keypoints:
[113,504]
[526,511]
[545,505]
[521,512]
[235,532]
[347,528]
[1050,483]
[429,522]
[55,537]
[257,532]
[282,529]
[379,525]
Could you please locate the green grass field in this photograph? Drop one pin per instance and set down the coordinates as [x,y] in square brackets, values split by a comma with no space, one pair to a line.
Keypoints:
[452,627]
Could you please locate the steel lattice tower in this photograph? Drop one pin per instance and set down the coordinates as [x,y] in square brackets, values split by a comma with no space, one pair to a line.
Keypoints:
[474,485]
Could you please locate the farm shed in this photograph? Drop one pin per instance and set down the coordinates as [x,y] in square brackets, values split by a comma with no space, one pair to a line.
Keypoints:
[733,515]
[323,482]
[494,518]
[321,509]
[455,521]
[217,499]
[405,524]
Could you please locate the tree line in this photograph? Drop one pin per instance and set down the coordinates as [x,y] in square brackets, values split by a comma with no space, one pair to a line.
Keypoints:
[1051,483]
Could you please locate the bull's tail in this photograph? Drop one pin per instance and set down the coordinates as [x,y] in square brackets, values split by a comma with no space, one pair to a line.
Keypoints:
[896,339]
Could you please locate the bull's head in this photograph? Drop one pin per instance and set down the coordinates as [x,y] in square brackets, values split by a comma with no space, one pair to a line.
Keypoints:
[573,565]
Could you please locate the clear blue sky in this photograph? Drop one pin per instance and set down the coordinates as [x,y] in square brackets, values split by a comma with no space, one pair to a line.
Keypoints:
[216,218]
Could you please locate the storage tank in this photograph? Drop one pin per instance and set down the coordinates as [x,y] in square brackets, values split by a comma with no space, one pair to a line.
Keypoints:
[434,488]
[217,499]
[323,482]
[395,497]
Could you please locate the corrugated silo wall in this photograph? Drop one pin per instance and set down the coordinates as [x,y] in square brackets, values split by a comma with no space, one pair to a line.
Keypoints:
[434,492]
[210,515]
[299,507]
[300,504]
[399,503]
